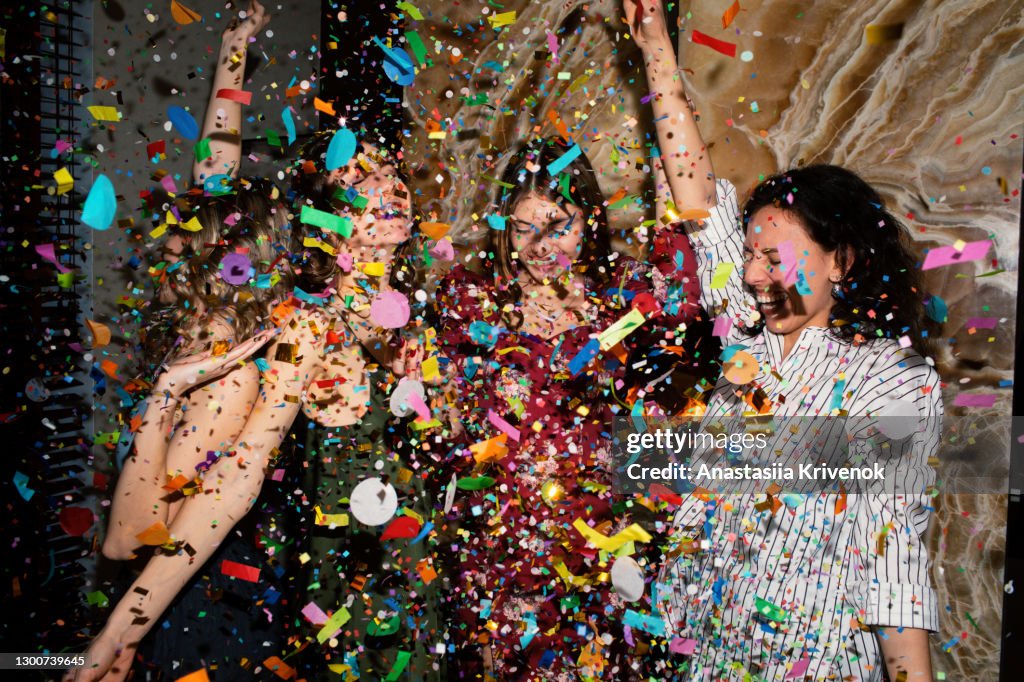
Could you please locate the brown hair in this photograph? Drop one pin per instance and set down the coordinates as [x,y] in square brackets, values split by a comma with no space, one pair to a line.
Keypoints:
[251,219]
[576,184]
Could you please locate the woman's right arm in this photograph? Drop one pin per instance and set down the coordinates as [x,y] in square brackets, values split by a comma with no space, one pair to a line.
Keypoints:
[222,124]
[708,207]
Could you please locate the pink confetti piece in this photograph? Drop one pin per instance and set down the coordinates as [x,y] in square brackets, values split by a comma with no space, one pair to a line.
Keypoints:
[502,425]
[414,401]
[48,253]
[686,647]
[982,322]
[949,255]
[723,324]
[975,399]
[314,614]
[798,669]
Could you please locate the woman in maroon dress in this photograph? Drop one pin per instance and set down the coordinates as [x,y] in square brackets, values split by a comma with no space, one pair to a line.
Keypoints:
[541,374]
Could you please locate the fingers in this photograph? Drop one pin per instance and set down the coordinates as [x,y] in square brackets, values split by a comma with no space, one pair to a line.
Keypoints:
[249,346]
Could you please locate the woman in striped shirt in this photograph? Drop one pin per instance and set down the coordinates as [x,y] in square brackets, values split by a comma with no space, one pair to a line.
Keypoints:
[822,316]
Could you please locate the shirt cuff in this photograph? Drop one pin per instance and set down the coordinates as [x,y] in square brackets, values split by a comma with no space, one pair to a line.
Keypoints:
[902,605]
[722,223]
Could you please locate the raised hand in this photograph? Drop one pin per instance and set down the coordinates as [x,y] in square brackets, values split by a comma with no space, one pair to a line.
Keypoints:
[646,19]
[240,31]
[186,372]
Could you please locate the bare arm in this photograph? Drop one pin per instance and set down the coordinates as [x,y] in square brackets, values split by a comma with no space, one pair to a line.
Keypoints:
[906,651]
[684,159]
[222,123]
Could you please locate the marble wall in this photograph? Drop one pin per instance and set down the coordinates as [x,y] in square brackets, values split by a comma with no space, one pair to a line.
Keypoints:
[923,99]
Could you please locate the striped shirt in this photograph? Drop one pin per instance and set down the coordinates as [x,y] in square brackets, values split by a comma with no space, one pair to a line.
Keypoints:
[830,565]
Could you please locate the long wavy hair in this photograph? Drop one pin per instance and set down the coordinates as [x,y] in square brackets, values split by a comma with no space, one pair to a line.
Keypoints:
[311,186]
[880,294]
[251,219]
[526,172]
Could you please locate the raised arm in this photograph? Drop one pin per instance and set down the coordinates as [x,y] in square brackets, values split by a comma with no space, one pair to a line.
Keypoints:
[222,124]
[684,172]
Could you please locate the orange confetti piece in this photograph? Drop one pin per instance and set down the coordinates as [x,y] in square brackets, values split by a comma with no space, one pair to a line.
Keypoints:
[176,483]
[198,676]
[184,16]
[435,231]
[326,107]
[109,368]
[155,536]
[730,14]
[100,333]
[556,121]
[491,449]
[694,214]
[280,668]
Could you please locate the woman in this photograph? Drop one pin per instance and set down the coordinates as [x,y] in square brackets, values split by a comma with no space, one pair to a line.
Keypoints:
[548,346]
[826,320]
[317,366]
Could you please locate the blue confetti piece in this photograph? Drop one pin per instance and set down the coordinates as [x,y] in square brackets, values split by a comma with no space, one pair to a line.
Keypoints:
[398,65]
[638,621]
[837,395]
[802,287]
[183,122]
[936,309]
[496,222]
[21,485]
[217,185]
[289,123]
[559,164]
[341,149]
[101,204]
[483,333]
[584,356]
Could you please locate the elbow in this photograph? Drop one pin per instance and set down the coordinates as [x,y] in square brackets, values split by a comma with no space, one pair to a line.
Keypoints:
[118,548]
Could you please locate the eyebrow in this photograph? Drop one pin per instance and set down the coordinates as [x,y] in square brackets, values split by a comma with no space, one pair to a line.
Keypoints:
[765,251]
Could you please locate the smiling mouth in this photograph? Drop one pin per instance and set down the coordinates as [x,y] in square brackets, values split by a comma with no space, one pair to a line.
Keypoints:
[771,300]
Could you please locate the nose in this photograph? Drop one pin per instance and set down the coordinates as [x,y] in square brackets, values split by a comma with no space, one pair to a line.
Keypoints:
[756,274]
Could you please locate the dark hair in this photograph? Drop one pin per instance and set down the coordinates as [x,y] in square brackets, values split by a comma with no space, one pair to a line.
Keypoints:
[577,184]
[311,186]
[846,216]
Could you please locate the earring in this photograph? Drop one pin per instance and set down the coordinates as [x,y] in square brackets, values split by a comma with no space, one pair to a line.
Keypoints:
[837,289]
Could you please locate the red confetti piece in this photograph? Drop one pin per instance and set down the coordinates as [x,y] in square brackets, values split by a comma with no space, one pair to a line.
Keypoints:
[240,96]
[76,520]
[728,49]
[402,527]
[240,571]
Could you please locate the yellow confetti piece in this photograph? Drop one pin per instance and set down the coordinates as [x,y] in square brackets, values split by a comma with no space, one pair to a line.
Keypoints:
[316,243]
[430,369]
[158,231]
[339,520]
[622,328]
[503,19]
[101,113]
[569,578]
[183,15]
[192,225]
[371,269]
[610,544]
[65,182]
[722,274]
[333,624]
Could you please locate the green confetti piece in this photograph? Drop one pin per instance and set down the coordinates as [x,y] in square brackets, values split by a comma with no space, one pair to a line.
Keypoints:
[475,483]
[273,138]
[328,221]
[202,149]
[97,599]
[401,661]
[419,50]
[388,627]
[770,611]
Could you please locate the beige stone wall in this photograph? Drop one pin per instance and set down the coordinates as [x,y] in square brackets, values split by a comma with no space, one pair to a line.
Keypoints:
[928,116]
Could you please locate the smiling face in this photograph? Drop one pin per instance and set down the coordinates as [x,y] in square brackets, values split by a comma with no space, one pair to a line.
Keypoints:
[386,220]
[547,236]
[773,235]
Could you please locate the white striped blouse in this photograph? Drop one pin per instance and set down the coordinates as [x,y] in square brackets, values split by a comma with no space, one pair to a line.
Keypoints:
[833,572]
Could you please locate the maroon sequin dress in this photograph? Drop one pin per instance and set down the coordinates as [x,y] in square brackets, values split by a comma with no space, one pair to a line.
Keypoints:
[528,591]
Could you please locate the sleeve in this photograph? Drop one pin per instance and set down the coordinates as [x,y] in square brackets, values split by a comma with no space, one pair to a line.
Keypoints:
[901,399]
[717,243]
